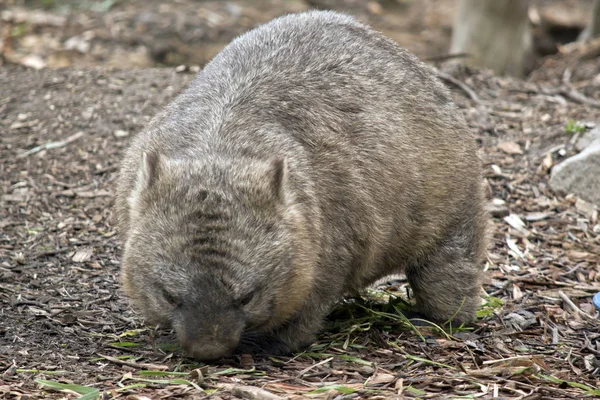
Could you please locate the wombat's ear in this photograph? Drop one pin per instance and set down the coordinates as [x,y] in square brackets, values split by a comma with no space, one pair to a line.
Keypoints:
[148,173]
[278,172]
[149,169]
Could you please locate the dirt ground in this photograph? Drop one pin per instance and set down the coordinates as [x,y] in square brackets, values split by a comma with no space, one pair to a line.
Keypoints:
[63,318]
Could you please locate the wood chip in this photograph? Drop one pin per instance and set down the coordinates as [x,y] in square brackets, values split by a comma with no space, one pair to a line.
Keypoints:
[83,255]
[510,148]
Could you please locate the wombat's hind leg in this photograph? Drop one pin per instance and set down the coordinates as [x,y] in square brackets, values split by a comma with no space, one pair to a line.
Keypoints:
[447,286]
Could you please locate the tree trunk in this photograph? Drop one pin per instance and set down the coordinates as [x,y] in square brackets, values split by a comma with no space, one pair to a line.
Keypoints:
[593,29]
[496,34]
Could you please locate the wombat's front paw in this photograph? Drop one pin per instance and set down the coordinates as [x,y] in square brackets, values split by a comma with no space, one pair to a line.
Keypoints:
[262,344]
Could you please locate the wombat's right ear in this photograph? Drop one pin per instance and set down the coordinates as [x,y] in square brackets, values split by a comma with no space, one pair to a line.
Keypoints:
[148,173]
[278,171]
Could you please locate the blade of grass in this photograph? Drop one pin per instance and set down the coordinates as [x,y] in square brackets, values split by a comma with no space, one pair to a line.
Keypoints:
[577,385]
[91,396]
[124,344]
[167,382]
[426,361]
[237,371]
[41,371]
[124,357]
[434,325]
[162,373]
[419,359]
[339,388]
[132,386]
[317,355]
[168,347]
[415,391]
[354,359]
[133,332]
[85,390]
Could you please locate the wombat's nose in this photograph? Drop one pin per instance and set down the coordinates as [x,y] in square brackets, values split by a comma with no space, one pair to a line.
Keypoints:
[204,351]
[208,341]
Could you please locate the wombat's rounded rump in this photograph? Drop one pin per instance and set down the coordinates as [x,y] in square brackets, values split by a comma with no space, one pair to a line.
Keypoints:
[310,158]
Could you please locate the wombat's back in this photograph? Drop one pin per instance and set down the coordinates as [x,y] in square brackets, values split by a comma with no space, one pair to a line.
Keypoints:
[356,115]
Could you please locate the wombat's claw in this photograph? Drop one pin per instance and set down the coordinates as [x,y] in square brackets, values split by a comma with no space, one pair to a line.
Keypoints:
[261,344]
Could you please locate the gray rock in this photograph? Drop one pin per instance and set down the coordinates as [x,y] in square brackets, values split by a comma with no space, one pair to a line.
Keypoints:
[588,138]
[579,174]
[520,320]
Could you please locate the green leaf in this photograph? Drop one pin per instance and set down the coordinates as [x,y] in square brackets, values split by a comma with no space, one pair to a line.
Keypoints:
[339,388]
[588,389]
[91,396]
[168,347]
[124,344]
[132,332]
[415,391]
[237,371]
[85,390]
[354,359]
[574,127]
[41,371]
[317,355]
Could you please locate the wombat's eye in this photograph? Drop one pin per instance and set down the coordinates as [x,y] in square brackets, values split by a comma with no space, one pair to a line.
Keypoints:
[244,301]
[169,297]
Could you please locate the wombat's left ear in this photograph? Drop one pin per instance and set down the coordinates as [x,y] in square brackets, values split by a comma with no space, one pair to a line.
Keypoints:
[149,169]
[278,173]
[148,172]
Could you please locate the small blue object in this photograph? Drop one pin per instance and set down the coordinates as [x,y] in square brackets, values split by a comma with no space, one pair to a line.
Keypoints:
[596,301]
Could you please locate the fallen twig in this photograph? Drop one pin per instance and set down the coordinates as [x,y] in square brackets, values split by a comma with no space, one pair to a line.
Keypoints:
[444,57]
[573,94]
[52,252]
[51,145]
[305,370]
[152,367]
[573,306]
[461,85]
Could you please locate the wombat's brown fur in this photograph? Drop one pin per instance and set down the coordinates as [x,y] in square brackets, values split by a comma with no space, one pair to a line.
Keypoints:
[310,158]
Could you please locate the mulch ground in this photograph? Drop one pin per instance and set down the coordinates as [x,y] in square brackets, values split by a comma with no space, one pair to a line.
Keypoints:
[63,318]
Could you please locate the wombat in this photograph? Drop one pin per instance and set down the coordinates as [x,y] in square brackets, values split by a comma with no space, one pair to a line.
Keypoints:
[310,158]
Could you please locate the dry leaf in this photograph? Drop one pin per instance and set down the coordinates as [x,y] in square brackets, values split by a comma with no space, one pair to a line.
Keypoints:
[197,375]
[548,162]
[33,61]
[119,133]
[510,148]
[586,209]
[517,294]
[536,216]
[517,223]
[497,170]
[512,244]
[381,378]
[578,255]
[83,255]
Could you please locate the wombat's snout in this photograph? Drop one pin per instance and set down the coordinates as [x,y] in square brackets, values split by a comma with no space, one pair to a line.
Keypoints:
[208,351]
[203,346]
